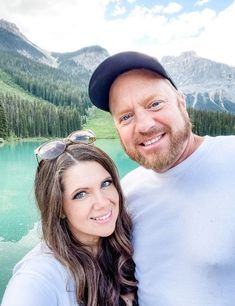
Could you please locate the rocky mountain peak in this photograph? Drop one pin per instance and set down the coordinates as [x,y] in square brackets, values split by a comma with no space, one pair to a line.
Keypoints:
[81,62]
[190,54]
[207,84]
[189,68]
[88,57]
[11,27]
[11,39]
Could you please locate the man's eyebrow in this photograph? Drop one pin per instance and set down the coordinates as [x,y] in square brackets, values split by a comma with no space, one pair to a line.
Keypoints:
[122,112]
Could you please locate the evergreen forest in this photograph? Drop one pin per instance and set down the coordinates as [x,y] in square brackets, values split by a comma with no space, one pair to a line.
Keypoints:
[41,101]
[38,100]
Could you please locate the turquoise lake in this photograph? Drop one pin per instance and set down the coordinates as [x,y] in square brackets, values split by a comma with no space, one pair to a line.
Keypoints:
[19,222]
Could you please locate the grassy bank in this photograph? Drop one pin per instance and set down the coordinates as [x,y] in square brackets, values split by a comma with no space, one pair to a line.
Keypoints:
[102,124]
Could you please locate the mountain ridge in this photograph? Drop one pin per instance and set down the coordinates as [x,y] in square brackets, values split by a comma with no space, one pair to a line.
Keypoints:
[11,39]
[208,85]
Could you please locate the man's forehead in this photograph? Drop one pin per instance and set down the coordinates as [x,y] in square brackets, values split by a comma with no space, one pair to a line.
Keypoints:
[123,96]
[135,76]
[135,73]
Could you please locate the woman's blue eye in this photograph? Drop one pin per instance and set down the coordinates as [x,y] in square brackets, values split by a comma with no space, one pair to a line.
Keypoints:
[106,183]
[80,195]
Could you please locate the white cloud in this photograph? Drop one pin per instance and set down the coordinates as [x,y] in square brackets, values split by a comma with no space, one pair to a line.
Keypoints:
[208,33]
[68,25]
[119,10]
[58,25]
[216,41]
[172,7]
[157,8]
[139,11]
[201,2]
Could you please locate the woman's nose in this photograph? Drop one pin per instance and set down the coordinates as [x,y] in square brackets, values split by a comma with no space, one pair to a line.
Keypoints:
[100,200]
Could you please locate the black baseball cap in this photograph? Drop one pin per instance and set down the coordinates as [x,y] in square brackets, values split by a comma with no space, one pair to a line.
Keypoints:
[105,74]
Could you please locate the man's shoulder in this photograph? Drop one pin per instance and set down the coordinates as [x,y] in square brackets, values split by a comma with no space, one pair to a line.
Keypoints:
[224,139]
[135,174]
[225,144]
[136,179]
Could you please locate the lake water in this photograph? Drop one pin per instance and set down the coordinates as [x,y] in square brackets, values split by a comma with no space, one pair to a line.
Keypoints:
[18,214]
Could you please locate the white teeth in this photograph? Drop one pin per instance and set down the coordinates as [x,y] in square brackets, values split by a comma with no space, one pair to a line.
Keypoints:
[149,142]
[103,217]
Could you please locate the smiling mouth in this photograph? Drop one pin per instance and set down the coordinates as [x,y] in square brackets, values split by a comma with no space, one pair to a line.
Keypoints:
[102,218]
[152,141]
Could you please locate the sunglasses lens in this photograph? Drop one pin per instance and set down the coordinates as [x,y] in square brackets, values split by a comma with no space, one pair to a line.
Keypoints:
[51,149]
[86,137]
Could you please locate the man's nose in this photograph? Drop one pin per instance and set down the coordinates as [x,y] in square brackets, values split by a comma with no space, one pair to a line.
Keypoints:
[144,121]
[100,200]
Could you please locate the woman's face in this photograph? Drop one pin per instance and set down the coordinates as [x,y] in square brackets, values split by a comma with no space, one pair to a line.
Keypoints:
[90,202]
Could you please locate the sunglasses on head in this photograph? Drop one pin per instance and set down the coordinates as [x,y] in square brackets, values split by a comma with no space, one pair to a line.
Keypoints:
[54,148]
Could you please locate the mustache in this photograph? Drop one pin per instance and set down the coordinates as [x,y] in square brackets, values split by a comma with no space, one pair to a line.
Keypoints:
[151,133]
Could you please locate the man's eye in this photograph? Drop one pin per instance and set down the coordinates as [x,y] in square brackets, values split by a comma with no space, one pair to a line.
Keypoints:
[106,183]
[125,117]
[155,104]
[80,195]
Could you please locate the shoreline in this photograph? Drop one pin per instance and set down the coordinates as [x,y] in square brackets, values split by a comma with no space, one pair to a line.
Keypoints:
[32,139]
[28,139]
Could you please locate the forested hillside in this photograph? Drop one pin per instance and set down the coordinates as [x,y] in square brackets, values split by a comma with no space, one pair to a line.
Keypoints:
[45,94]
[38,100]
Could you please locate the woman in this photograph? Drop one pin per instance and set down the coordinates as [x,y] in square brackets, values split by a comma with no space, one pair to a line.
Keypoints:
[85,257]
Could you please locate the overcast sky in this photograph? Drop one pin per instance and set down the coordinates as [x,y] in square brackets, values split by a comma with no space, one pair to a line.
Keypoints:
[158,28]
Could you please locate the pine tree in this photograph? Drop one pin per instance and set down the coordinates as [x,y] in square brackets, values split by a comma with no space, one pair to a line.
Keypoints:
[3,123]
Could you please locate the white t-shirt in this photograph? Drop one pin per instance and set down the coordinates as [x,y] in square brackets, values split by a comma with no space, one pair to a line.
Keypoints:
[40,280]
[184,228]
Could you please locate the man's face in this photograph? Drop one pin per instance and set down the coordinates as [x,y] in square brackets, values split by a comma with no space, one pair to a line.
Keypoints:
[151,119]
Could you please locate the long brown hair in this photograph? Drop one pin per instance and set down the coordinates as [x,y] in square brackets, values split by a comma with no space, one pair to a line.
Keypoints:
[100,279]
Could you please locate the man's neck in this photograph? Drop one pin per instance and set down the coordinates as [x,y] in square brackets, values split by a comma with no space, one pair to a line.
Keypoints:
[193,143]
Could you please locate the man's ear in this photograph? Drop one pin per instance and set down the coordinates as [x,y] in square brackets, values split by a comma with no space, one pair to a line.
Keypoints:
[182,99]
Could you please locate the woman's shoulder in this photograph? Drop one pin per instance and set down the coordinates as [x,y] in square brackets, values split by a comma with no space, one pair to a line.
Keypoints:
[40,260]
[40,267]
[38,279]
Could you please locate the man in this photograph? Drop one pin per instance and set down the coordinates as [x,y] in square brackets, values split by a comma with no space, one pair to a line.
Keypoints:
[182,197]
